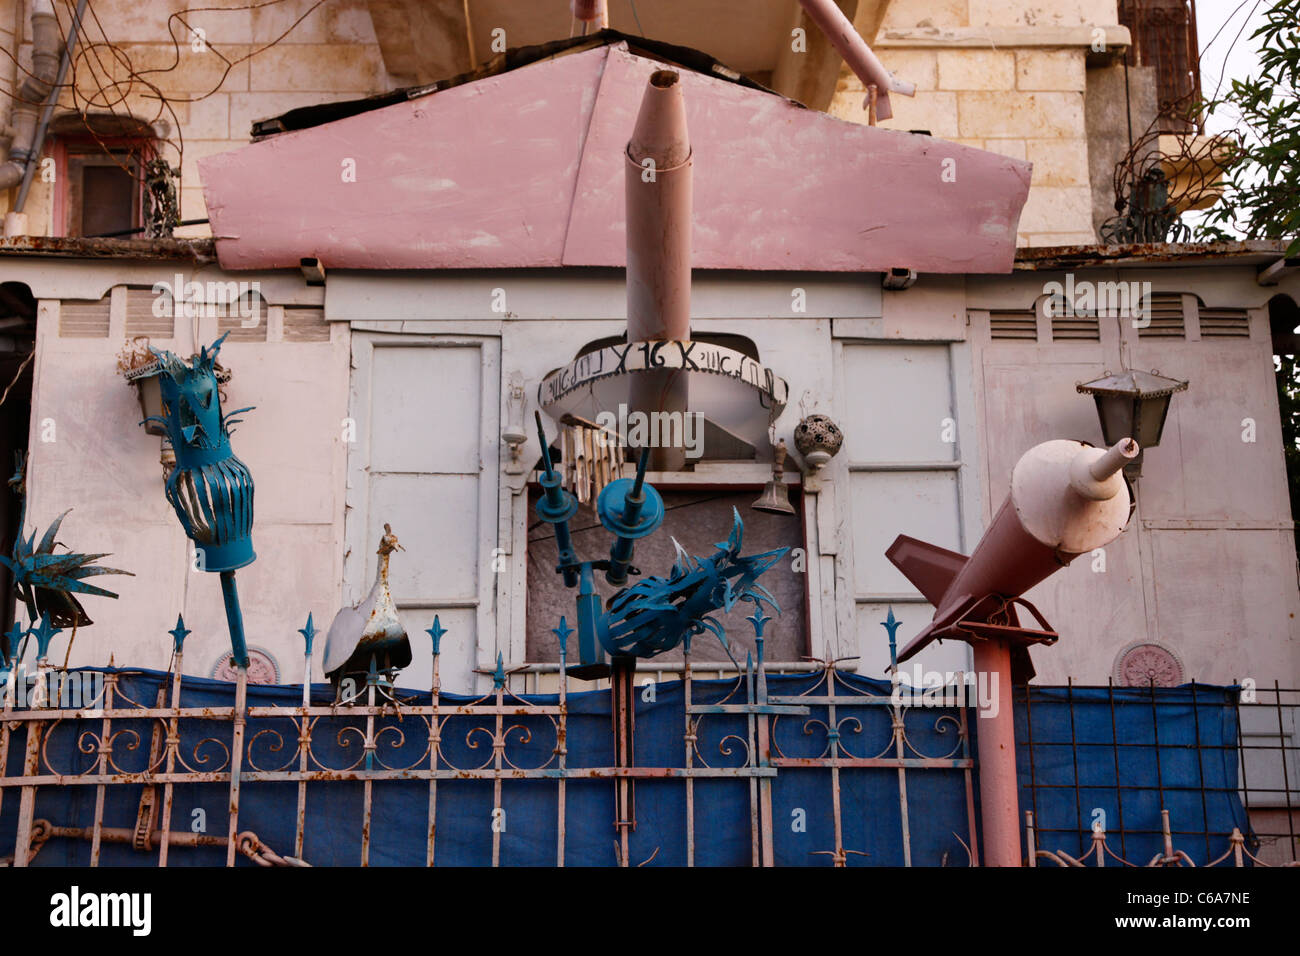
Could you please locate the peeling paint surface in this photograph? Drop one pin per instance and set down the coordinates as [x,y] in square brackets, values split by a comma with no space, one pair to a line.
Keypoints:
[536,159]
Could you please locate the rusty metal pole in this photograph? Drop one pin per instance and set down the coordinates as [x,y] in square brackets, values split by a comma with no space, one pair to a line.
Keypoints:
[622,690]
[999,800]
[658,186]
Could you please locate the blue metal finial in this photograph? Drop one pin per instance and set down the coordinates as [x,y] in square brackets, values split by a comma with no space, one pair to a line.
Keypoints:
[562,634]
[45,633]
[499,675]
[759,620]
[179,633]
[892,624]
[308,632]
[9,644]
[436,633]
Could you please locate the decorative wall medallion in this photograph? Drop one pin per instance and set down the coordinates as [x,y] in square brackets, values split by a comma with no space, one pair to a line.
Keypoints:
[1143,663]
[262,668]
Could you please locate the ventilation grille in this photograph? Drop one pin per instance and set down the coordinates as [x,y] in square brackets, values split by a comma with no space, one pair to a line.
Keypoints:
[1225,324]
[140,318]
[1166,315]
[305,325]
[1020,324]
[84,320]
[234,324]
[1077,328]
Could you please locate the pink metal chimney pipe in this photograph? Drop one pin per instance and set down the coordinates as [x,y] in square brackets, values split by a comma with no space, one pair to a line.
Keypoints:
[591,11]
[658,193]
[857,55]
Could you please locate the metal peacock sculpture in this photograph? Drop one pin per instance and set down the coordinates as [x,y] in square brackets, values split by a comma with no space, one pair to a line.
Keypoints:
[210,489]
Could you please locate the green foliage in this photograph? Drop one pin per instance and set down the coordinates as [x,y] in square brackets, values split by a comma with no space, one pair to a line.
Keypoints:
[1262,199]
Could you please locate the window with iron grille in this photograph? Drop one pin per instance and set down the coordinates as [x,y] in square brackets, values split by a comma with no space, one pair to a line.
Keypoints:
[1164,37]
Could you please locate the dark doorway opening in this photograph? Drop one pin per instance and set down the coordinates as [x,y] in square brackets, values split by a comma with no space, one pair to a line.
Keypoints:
[17,344]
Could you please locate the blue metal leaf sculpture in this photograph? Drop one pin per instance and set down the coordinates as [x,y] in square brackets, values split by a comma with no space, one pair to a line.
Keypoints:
[656,614]
[45,581]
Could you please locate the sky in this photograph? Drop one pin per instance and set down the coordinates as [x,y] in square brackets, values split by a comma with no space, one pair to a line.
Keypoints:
[1223,30]
[1227,56]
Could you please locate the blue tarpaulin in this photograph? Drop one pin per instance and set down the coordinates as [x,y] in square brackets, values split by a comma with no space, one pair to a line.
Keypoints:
[803,822]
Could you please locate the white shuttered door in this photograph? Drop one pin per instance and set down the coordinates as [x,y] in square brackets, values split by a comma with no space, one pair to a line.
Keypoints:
[425,461]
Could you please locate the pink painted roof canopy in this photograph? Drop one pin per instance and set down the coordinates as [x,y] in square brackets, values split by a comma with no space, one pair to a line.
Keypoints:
[525,169]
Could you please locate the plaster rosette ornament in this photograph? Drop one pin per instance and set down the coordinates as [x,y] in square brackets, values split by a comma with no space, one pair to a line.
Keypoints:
[209,488]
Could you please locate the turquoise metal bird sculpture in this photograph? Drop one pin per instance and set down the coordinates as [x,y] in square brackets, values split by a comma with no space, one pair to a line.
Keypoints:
[656,614]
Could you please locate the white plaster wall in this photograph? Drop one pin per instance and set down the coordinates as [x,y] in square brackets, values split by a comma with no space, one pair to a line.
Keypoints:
[1207,564]
[104,466]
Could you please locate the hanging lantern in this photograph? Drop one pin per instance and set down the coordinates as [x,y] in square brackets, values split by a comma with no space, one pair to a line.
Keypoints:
[1133,404]
[209,488]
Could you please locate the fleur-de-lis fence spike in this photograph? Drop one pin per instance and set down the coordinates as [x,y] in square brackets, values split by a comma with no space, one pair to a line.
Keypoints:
[9,645]
[435,634]
[562,635]
[892,624]
[179,633]
[308,632]
[44,634]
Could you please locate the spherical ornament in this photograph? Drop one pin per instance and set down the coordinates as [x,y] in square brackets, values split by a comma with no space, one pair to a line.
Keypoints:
[818,439]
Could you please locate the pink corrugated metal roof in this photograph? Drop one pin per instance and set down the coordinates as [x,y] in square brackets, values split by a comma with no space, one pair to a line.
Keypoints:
[525,169]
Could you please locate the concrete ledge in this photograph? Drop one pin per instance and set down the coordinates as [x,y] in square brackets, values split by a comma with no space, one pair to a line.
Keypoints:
[1115,37]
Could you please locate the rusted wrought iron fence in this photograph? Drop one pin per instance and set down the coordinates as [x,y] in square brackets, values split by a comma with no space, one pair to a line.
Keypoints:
[805,768]
[814,768]
[1241,751]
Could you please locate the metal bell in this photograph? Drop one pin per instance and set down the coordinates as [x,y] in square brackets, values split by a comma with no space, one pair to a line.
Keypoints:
[776,495]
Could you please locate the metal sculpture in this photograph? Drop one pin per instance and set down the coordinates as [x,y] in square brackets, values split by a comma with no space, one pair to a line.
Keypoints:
[658,613]
[210,489]
[368,637]
[44,581]
[1066,499]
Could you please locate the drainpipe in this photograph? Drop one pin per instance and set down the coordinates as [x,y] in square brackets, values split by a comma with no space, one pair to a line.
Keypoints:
[830,19]
[48,71]
[657,185]
[591,11]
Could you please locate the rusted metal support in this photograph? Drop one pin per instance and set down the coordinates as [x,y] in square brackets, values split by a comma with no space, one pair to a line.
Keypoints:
[237,759]
[622,691]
